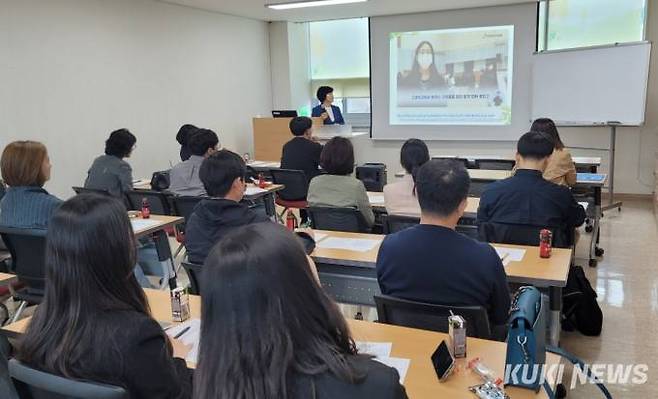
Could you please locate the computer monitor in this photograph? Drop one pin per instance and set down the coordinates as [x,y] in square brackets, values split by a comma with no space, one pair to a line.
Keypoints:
[284,113]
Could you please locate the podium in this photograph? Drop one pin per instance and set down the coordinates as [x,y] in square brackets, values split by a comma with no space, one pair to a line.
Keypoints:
[270,134]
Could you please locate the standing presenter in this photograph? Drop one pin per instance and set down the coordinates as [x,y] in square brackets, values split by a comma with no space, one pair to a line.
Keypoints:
[329,113]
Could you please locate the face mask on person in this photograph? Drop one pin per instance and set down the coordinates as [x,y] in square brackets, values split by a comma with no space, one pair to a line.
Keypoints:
[424,60]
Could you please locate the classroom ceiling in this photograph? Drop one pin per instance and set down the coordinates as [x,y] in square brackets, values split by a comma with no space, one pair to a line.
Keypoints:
[256,8]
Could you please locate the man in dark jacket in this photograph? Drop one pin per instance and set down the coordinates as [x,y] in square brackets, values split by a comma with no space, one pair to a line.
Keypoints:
[302,152]
[223,176]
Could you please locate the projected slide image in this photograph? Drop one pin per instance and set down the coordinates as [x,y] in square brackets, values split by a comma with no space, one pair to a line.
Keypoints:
[452,76]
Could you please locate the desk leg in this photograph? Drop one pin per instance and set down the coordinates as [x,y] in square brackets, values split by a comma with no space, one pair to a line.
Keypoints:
[594,251]
[164,256]
[555,305]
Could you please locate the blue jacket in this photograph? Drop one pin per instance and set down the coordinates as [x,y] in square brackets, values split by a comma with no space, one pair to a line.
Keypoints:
[338,116]
[27,207]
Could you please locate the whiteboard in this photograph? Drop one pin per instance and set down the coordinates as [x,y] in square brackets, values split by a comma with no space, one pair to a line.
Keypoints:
[593,85]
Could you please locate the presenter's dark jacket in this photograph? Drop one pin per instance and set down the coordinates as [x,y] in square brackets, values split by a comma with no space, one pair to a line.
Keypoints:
[435,264]
[338,116]
[302,154]
[146,367]
[381,382]
[528,199]
[213,218]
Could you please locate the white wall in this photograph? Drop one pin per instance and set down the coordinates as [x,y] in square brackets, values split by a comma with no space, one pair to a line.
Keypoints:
[73,70]
[636,147]
[289,54]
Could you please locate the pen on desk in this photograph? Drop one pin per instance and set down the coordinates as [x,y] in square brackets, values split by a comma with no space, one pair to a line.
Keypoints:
[183,331]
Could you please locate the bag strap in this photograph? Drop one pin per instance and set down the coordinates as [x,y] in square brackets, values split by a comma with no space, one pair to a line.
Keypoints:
[575,361]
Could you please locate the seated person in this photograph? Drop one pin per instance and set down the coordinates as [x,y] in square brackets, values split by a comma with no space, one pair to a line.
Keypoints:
[329,113]
[527,198]
[431,262]
[26,168]
[223,176]
[182,136]
[286,337]
[184,177]
[338,188]
[110,172]
[400,197]
[302,152]
[560,169]
[94,323]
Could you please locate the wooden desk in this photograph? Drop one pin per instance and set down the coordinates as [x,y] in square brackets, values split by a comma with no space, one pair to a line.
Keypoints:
[408,343]
[6,278]
[485,174]
[267,197]
[142,184]
[270,134]
[350,276]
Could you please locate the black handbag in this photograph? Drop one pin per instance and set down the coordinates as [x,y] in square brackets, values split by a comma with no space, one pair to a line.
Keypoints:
[160,180]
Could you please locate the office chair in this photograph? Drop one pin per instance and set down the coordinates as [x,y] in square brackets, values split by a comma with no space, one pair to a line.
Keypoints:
[158,201]
[338,219]
[477,187]
[426,316]
[394,223]
[463,161]
[35,384]
[293,196]
[520,234]
[193,271]
[28,249]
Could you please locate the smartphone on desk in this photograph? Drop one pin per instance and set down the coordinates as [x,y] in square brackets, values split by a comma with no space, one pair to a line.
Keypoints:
[443,361]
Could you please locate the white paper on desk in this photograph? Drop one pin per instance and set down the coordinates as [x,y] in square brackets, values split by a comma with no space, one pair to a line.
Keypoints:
[377,349]
[400,364]
[376,198]
[319,236]
[191,337]
[254,190]
[349,244]
[510,254]
[142,224]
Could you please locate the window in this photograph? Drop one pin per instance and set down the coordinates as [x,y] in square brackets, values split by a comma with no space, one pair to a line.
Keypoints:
[582,23]
[340,58]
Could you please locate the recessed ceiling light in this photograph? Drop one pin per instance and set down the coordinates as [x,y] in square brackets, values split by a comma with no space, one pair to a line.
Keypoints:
[312,3]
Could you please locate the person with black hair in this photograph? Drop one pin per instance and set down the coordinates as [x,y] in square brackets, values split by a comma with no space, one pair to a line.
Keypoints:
[302,152]
[338,188]
[424,73]
[184,177]
[224,177]
[560,169]
[527,198]
[329,113]
[268,330]
[400,197]
[94,323]
[110,172]
[433,263]
[182,137]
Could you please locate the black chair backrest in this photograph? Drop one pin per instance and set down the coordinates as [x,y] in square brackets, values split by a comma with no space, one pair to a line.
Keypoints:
[28,252]
[184,206]
[194,273]
[478,186]
[468,230]
[158,201]
[373,176]
[35,384]
[394,223]
[338,219]
[495,164]
[82,190]
[520,234]
[427,316]
[295,182]
[463,161]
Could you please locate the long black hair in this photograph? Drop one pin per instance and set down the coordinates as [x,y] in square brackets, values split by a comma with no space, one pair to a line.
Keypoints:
[264,319]
[547,126]
[413,155]
[90,256]
[415,68]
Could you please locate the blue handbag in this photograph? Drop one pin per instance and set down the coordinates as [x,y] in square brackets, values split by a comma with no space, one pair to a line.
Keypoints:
[526,340]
